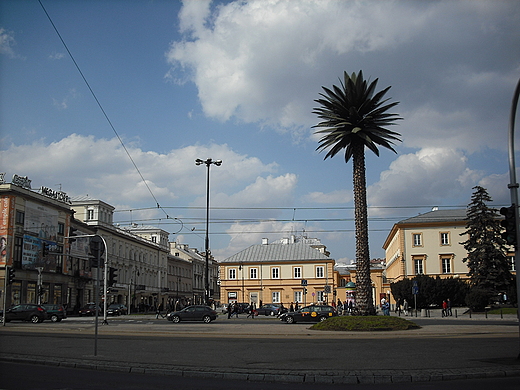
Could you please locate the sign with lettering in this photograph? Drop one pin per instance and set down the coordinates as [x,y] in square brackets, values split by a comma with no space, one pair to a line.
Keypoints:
[21,181]
[58,195]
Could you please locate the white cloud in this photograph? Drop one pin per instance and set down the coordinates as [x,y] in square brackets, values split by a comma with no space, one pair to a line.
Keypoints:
[7,42]
[244,235]
[102,169]
[265,62]
[56,56]
[334,197]
[427,177]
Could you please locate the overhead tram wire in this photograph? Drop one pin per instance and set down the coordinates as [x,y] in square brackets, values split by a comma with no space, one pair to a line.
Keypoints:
[102,109]
[292,208]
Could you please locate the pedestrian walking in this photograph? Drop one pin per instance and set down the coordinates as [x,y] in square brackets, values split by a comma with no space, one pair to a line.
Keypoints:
[158,312]
[251,311]
[448,308]
[398,307]
[405,307]
[386,308]
[444,309]
[291,307]
[229,310]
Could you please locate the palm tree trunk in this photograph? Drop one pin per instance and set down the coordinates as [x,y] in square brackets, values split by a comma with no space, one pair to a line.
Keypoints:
[364,300]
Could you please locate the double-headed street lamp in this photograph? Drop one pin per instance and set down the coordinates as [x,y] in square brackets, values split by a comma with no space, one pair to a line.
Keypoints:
[208,163]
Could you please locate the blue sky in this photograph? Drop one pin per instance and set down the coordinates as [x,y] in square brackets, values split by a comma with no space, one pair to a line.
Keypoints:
[236,81]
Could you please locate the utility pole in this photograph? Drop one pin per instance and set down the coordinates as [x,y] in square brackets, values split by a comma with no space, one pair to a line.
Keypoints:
[513,187]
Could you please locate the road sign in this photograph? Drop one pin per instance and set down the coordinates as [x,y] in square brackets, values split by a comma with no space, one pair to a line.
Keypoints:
[415,288]
[304,282]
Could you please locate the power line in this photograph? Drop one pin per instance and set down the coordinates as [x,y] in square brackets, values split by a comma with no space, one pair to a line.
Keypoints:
[101,108]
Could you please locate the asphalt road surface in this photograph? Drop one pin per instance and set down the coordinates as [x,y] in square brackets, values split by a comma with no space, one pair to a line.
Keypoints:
[262,345]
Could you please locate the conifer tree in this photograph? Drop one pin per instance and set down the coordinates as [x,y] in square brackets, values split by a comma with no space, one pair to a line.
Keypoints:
[487,250]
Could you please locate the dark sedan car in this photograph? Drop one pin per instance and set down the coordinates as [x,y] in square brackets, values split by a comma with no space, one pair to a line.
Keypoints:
[26,312]
[116,309]
[89,310]
[312,313]
[271,309]
[193,313]
[56,313]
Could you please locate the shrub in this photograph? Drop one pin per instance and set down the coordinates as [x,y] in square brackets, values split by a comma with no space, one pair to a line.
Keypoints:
[365,323]
[477,299]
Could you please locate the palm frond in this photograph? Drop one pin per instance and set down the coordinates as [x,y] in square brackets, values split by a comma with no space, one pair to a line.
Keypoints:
[352,113]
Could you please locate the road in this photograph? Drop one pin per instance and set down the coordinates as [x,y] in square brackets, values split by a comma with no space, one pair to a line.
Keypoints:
[265,349]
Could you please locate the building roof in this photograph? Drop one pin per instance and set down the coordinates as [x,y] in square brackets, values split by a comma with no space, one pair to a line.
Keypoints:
[277,252]
[437,216]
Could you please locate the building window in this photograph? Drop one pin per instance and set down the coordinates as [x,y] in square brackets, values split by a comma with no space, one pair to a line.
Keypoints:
[320,271]
[446,265]
[445,238]
[419,266]
[297,272]
[61,228]
[17,256]
[253,273]
[298,296]
[90,214]
[154,239]
[321,296]
[232,273]
[275,273]
[20,217]
[512,265]
[417,239]
[276,296]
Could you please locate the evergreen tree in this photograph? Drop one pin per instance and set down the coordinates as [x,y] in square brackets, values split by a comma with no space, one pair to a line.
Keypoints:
[487,250]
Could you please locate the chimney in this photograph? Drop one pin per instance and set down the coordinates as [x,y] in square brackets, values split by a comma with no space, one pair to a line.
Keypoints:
[265,241]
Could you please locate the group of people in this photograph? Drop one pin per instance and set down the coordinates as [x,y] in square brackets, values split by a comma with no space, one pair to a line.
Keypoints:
[344,308]
[446,308]
[402,306]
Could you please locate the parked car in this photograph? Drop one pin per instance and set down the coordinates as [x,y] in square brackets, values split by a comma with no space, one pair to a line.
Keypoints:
[193,313]
[26,312]
[89,310]
[55,313]
[116,309]
[312,313]
[271,309]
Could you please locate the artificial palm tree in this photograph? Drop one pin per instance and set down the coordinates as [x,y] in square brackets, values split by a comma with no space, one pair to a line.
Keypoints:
[354,116]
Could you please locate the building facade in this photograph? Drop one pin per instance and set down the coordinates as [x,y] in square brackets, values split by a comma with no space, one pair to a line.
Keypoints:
[138,254]
[295,269]
[34,226]
[429,244]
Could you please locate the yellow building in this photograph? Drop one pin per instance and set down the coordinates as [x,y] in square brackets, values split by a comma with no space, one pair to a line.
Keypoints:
[427,244]
[295,269]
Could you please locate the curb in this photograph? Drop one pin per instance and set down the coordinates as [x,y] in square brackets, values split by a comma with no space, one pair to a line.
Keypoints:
[272,375]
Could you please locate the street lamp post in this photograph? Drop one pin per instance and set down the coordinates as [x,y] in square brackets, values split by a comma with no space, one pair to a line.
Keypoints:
[513,187]
[208,163]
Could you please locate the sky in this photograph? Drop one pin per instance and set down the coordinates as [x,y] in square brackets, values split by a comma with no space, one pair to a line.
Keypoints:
[141,89]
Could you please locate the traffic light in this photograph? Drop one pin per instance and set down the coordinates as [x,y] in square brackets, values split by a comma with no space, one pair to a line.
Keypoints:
[112,276]
[305,291]
[97,248]
[41,290]
[11,275]
[72,233]
[45,249]
[509,223]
